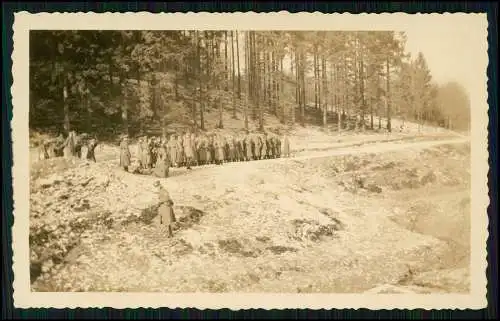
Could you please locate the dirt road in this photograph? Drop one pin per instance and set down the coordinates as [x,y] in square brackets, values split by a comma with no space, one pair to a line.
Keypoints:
[341,150]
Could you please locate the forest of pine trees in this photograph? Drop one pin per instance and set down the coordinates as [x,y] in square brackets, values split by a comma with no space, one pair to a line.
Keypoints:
[131,81]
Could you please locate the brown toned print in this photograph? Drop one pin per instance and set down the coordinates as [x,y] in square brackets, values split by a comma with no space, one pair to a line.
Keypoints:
[231,166]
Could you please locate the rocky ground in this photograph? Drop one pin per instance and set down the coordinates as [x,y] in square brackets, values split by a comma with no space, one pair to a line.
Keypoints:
[345,214]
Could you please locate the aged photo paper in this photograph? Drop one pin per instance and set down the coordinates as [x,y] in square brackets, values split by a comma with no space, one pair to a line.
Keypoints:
[250,160]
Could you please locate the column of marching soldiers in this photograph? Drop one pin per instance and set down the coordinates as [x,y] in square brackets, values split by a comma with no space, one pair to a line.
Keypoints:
[190,149]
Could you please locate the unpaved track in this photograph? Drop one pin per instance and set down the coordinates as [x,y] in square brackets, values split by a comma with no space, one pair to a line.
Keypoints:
[374,148]
[346,150]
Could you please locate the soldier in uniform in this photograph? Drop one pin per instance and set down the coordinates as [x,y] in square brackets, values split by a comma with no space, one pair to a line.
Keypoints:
[152,151]
[42,151]
[220,150]
[202,150]
[232,149]
[163,164]
[51,149]
[165,209]
[160,152]
[143,152]
[277,144]
[168,149]
[139,152]
[172,148]
[227,157]
[248,144]
[258,147]
[208,154]
[193,139]
[153,147]
[155,150]
[81,141]
[241,147]
[188,150]
[69,145]
[286,146]
[264,147]
[210,148]
[146,149]
[91,145]
[270,146]
[236,151]
[58,144]
[124,153]
[180,151]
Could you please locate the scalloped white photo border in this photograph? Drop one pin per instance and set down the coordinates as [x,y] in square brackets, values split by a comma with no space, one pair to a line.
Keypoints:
[24,22]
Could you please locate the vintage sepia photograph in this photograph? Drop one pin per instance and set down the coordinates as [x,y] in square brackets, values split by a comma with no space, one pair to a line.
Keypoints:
[225,159]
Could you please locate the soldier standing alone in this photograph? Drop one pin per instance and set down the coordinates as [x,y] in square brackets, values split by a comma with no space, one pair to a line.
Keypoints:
[165,209]
[124,154]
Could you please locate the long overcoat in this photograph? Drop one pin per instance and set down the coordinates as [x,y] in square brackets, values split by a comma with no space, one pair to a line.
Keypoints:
[124,154]
[165,210]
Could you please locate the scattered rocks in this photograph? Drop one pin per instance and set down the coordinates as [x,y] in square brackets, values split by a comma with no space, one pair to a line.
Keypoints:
[216,287]
[233,246]
[313,230]
[374,188]
[50,181]
[182,247]
[263,239]
[430,177]
[279,249]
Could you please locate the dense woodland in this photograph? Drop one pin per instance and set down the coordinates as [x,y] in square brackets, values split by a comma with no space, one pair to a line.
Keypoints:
[110,82]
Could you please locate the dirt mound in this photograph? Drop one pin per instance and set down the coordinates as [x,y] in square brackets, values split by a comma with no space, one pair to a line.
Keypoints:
[400,171]
[49,166]
[69,198]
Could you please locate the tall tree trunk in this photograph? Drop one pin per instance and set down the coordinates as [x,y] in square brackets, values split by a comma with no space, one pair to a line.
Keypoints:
[238,64]
[325,104]
[297,79]
[176,82]
[259,67]
[303,86]
[339,77]
[378,101]
[232,74]
[67,127]
[297,86]
[226,63]
[152,102]
[251,52]
[263,73]
[220,88]
[362,90]
[279,92]
[88,106]
[315,66]
[198,77]
[319,73]
[388,96]
[273,83]
[247,73]
[124,104]
[200,73]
